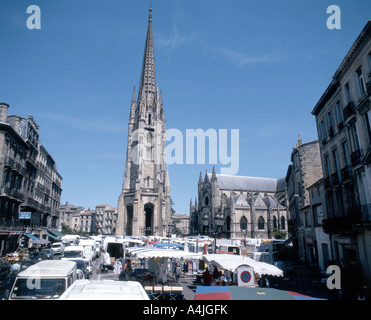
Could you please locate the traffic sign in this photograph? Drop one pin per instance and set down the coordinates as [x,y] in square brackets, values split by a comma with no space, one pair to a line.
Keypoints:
[245,276]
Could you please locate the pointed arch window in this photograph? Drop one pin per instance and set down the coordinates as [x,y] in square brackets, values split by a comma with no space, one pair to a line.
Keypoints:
[243,223]
[274,222]
[261,223]
[283,223]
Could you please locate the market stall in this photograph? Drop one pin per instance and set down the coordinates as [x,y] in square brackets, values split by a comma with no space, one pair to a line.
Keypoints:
[232,262]
[156,273]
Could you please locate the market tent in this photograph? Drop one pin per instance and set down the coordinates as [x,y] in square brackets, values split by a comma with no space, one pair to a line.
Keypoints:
[169,245]
[31,236]
[130,240]
[56,233]
[231,262]
[247,293]
[146,252]
[39,241]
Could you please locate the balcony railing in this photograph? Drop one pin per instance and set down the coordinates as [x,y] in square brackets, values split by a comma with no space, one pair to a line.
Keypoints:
[335,178]
[354,217]
[356,158]
[346,173]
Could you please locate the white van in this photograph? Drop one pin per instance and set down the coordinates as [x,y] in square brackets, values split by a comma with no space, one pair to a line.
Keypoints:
[79,252]
[47,279]
[73,239]
[58,248]
[90,243]
[114,248]
[105,290]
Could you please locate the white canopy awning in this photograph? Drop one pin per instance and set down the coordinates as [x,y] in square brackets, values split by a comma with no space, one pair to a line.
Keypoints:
[146,252]
[231,262]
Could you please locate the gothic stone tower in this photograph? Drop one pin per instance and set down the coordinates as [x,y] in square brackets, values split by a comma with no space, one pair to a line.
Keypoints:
[144,204]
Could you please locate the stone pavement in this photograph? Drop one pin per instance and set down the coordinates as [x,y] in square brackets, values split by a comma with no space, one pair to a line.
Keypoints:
[189,287]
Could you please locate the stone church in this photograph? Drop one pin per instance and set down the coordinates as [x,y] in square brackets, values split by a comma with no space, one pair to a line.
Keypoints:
[144,204]
[237,206]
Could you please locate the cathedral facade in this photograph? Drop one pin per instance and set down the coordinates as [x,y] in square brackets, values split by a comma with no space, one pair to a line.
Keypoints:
[144,206]
[238,207]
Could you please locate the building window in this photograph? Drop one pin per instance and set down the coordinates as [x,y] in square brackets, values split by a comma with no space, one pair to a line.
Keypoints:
[337,165]
[339,113]
[354,134]
[367,121]
[330,124]
[206,201]
[330,205]
[307,219]
[346,154]
[327,167]
[361,87]
[322,131]
[340,202]
[243,223]
[283,223]
[261,223]
[317,214]
[348,96]
[274,222]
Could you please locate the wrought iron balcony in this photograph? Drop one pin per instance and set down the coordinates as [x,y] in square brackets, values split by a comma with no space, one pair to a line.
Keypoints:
[351,222]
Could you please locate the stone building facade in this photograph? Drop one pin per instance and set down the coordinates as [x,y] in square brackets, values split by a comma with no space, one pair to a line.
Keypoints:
[343,118]
[105,219]
[318,245]
[68,215]
[239,207]
[30,183]
[144,206]
[181,222]
[305,170]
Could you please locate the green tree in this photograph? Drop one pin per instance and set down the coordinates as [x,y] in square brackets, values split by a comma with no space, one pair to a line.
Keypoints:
[278,234]
[172,204]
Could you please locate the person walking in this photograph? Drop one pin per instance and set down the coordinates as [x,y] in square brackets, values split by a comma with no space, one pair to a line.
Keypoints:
[177,273]
[117,267]
[128,270]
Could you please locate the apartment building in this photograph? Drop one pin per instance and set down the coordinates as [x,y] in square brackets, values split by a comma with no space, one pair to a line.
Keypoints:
[343,118]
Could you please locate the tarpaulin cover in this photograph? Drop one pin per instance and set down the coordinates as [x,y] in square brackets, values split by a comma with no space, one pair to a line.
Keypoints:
[247,293]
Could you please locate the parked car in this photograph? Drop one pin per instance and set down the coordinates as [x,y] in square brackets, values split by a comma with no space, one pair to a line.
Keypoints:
[38,256]
[58,248]
[83,267]
[49,253]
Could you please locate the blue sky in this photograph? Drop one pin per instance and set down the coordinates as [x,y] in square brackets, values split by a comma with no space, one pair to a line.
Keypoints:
[256,66]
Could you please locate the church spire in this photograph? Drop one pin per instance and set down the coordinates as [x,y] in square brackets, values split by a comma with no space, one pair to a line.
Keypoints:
[148,86]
